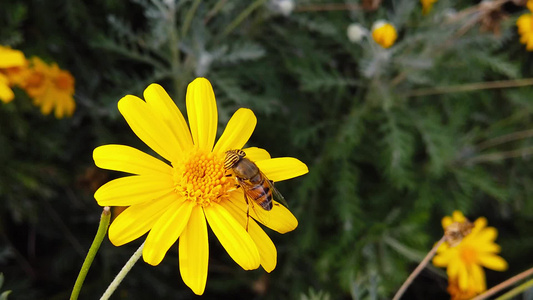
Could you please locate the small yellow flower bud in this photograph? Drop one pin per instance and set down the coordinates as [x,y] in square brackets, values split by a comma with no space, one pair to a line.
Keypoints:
[384,34]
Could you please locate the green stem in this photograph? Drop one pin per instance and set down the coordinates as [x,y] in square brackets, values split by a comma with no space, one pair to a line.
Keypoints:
[188,17]
[517,290]
[125,270]
[242,16]
[100,234]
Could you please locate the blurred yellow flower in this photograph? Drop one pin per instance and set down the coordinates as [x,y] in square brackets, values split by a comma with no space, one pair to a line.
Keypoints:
[58,94]
[50,87]
[525,30]
[529,5]
[384,34]
[179,199]
[34,78]
[465,259]
[427,5]
[9,58]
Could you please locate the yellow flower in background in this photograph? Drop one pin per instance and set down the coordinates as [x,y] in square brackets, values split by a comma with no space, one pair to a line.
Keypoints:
[34,78]
[529,5]
[525,30]
[427,5]
[9,58]
[50,87]
[58,94]
[384,34]
[465,260]
[178,199]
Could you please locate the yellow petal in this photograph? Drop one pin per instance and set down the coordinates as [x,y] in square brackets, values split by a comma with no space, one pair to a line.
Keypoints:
[453,268]
[279,218]
[233,237]
[136,220]
[282,168]
[479,224]
[267,249]
[202,113]
[239,129]
[194,251]
[463,277]
[6,94]
[166,231]
[162,105]
[487,234]
[441,260]
[446,221]
[493,262]
[256,154]
[149,127]
[11,58]
[458,216]
[128,159]
[131,190]
[478,278]
[490,248]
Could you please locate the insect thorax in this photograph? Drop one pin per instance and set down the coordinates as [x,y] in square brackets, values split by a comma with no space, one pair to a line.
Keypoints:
[232,158]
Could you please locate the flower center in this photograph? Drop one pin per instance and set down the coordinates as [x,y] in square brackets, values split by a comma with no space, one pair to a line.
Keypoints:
[202,178]
[64,81]
[469,255]
[35,79]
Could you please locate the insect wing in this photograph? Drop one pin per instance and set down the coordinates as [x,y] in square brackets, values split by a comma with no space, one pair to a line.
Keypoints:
[275,193]
[251,209]
[256,194]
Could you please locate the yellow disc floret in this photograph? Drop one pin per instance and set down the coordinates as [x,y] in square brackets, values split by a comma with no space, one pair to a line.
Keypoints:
[202,178]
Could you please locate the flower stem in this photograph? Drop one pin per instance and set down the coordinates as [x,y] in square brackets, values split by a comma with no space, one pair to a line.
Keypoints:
[506,284]
[247,11]
[517,290]
[418,269]
[125,270]
[100,234]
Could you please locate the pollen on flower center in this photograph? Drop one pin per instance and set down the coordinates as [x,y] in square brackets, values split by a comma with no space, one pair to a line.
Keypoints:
[469,255]
[64,81]
[202,178]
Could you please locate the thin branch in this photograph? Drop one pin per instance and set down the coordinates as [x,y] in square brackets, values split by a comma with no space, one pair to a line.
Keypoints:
[123,272]
[418,269]
[517,290]
[490,157]
[518,135]
[487,85]
[243,15]
[214,10]
[504,284]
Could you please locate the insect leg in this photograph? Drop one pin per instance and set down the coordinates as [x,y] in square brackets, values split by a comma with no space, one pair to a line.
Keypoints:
[247,211]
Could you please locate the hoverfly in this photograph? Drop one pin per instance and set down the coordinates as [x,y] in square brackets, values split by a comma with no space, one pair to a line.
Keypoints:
[254,183]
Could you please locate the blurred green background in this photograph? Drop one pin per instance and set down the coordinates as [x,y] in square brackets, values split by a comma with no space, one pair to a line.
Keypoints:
[395,138]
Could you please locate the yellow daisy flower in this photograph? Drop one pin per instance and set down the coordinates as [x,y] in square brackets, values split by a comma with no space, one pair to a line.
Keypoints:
[465,259]
[34,78]
[178,199]
[525,30]
[50,87]
[384,34]
[427,5]
[59,93]
[9,58]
